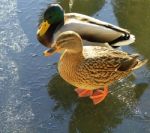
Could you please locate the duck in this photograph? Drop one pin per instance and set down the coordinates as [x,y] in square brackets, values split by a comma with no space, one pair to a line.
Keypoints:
[91,68]
[55,21]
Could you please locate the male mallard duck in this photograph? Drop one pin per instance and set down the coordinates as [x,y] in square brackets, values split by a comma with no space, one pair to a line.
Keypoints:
[91,67]
[55,21]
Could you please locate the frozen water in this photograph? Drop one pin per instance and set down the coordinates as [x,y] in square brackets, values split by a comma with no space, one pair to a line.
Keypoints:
[15,110]
[33,97]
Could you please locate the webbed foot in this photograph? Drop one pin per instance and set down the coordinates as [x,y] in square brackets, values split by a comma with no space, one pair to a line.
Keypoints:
[99,95]
[83,92]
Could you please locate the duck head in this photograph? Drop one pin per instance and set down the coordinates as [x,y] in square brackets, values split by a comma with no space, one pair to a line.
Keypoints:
[53,17]
[69,41]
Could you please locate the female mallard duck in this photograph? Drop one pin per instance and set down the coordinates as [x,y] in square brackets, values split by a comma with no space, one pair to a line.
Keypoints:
[91,67]
[55,21]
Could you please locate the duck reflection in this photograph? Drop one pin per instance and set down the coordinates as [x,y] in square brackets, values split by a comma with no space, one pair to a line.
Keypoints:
[88,118]
[88,7]
[61,92]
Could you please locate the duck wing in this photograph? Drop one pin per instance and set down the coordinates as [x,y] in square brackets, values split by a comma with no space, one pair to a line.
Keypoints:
[94,30]
[107,59]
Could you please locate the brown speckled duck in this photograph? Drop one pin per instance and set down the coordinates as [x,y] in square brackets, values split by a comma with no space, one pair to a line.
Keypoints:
[56,21]
[91,67]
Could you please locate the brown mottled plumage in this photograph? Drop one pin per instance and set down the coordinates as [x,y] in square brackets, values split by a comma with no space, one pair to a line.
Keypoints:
[91,67]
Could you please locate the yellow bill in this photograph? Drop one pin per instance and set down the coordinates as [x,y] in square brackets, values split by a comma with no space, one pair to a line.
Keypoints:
[43,28]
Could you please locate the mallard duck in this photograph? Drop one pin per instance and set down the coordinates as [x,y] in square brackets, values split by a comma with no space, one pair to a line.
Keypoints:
[55,21]
[91,67]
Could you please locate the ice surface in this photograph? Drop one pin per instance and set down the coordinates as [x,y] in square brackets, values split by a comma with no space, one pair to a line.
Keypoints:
[15,110]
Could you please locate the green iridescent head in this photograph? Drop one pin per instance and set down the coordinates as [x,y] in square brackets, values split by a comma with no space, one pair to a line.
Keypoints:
[54,14]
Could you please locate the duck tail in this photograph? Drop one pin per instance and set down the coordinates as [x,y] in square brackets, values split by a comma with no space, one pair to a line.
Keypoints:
[140,63]
[126,39]
[137,62]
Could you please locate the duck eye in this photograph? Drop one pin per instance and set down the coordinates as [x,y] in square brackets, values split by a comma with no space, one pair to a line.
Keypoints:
[50,16]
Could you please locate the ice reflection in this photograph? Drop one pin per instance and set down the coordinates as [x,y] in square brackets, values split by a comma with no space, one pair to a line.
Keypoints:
[85,117]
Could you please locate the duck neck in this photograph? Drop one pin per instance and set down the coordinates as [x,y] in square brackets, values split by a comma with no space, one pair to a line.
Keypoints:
[70,60]
[53,28]
[68,64]
[72,56]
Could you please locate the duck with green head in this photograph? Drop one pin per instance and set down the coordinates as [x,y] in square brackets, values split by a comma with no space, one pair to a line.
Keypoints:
[91,67]
[56,21]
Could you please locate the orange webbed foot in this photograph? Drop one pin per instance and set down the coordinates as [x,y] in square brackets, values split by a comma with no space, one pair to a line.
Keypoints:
[99,95]
[83,92]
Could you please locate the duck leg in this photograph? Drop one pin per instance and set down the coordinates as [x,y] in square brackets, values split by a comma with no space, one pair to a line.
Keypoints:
[99,95]
[83,92]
